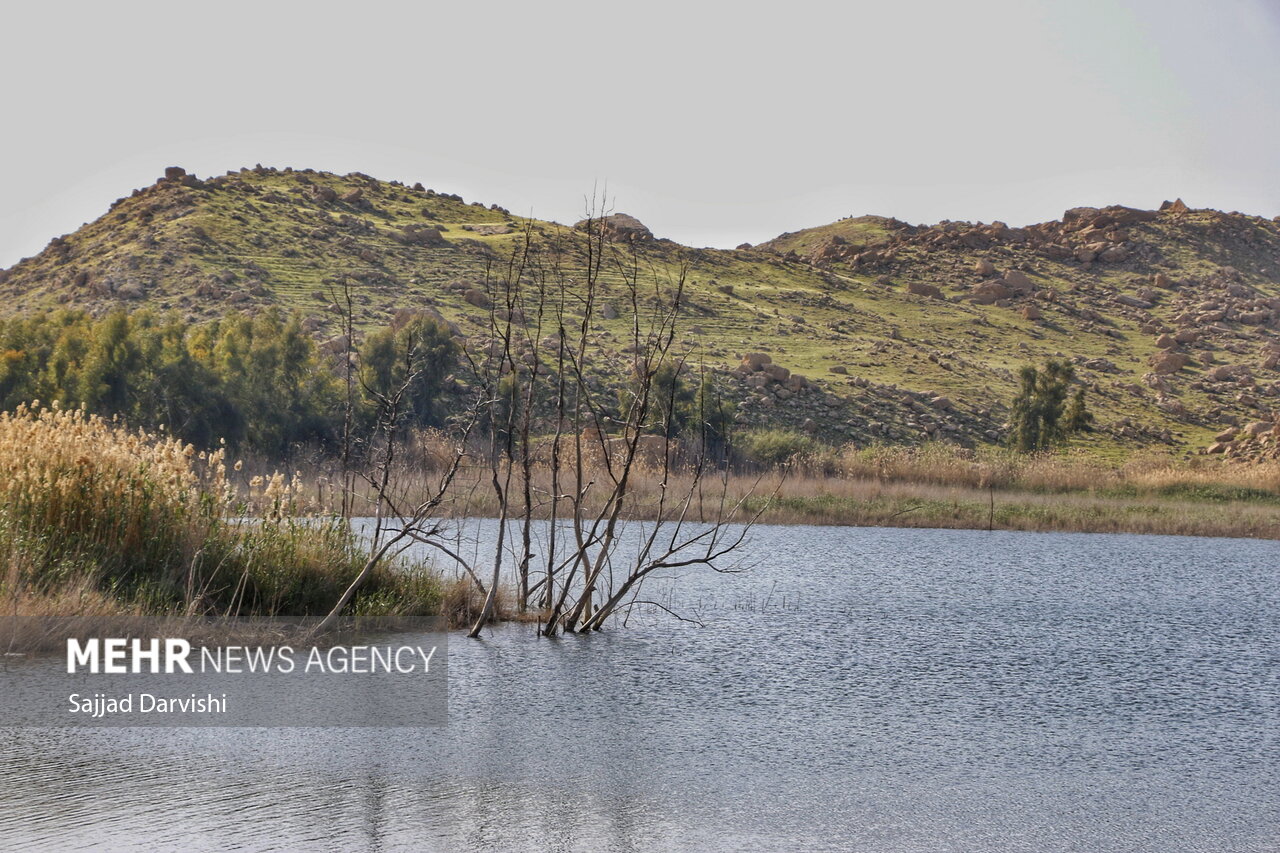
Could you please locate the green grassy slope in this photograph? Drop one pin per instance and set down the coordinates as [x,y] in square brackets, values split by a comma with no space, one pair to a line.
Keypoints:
[834,303]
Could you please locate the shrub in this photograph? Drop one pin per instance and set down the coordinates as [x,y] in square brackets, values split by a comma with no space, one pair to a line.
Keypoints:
[775,446]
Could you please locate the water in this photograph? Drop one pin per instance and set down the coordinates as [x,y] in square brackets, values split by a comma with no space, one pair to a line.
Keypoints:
[855,690]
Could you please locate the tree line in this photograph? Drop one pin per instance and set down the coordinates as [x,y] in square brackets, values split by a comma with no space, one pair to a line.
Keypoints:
[260,383]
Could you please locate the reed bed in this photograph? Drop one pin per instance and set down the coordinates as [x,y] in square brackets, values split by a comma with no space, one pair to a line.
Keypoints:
[104,526]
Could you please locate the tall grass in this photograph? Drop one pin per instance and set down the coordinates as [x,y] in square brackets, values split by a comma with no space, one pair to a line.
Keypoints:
[99,519]
[934,485]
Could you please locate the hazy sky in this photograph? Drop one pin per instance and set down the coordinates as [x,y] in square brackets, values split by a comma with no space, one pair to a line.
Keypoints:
[713,123]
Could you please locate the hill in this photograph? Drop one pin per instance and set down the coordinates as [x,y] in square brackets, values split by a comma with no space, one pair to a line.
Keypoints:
[899,333]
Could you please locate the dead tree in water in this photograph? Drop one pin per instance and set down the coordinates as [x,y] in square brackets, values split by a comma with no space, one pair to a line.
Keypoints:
[577,427]
[600,446]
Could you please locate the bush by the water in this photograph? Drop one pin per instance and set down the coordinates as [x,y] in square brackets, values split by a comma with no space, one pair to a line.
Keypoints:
[775,446]
[90,507]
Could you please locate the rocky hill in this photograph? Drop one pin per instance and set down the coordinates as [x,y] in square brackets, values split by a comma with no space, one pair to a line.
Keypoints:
[867,329]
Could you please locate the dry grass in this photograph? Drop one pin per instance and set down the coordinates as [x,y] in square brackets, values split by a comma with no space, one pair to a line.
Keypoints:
[102,526]
[942,486]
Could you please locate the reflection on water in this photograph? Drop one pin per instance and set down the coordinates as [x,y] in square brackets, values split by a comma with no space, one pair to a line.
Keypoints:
[858,689]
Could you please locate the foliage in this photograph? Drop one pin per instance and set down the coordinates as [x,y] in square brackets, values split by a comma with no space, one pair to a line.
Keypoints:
[259,383]
[1078,417]
[775,446]
[415,354]
[1037,420]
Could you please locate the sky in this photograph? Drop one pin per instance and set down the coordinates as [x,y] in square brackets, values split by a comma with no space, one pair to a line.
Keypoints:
[713,123]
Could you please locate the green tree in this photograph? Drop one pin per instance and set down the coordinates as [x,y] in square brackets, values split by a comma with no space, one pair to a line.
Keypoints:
[670,399]
[415,354]
[1038,408]
[1078,418]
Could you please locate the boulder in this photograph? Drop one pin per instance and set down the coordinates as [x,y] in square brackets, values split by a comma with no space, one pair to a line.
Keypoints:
[776,372]
[173,173]
[1031,312]
[989,292]
[756,360]
[1079,217]
[1166,342]
[1133,301]
[325,194]
[919,288]
[422,235]
[621,227]
[1258,428]
[1114,255]
[1162,281]
[1168,362]
[478,298]
[984,267]
[1225,372]
[1186,336]
[1017,281]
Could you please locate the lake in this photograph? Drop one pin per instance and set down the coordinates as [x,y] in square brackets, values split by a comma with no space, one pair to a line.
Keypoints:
[853,689]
